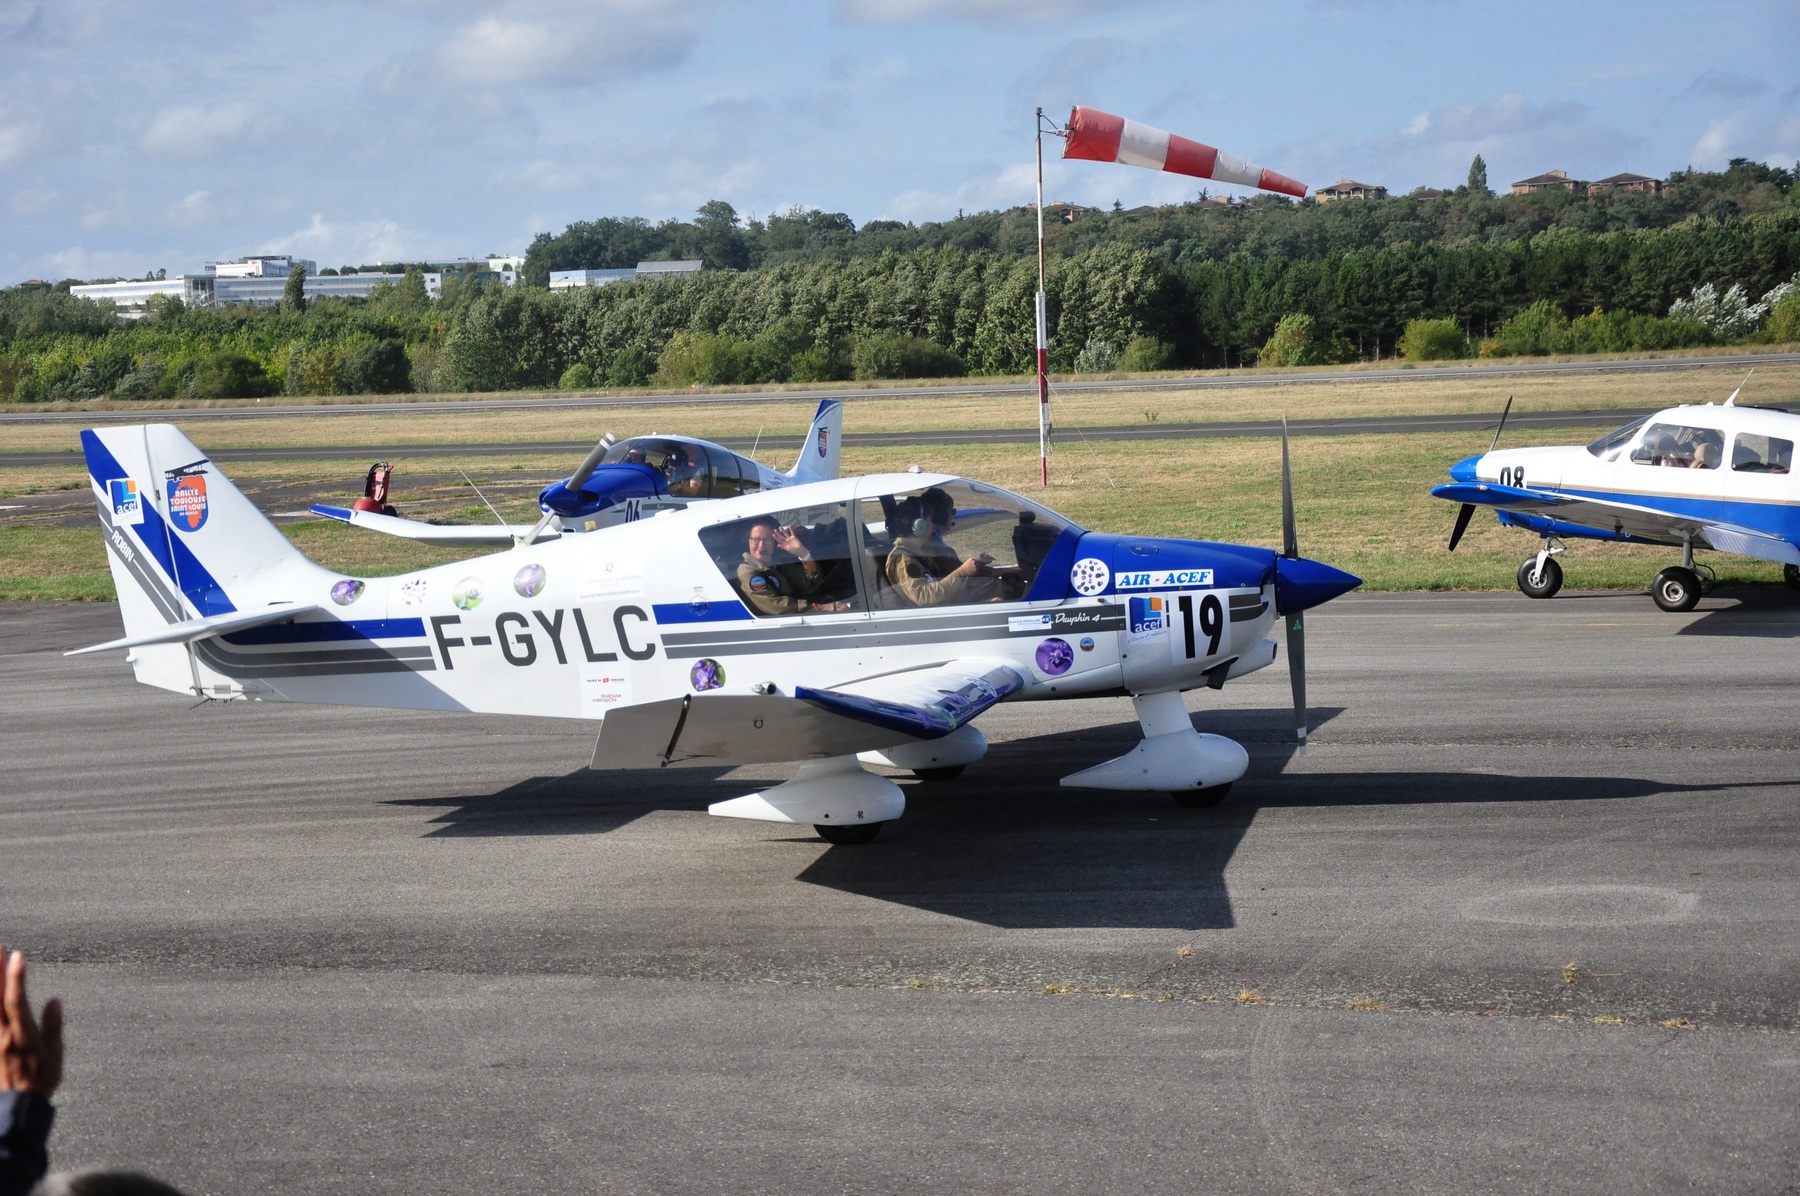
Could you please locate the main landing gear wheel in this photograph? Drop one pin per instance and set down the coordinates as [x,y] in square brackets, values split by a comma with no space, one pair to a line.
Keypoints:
[1791,575]
[1676,589]
[848,835]
[948,773]
[1201,799]
[1536,583]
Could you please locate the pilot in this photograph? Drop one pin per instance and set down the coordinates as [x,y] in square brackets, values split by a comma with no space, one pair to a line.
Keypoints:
[1706,455]
[926,571]
[684,471]
[775,586]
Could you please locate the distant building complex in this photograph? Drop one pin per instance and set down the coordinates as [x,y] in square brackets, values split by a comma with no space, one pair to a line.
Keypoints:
[1349,189]
[564,280]
[261,279]
[1627,182]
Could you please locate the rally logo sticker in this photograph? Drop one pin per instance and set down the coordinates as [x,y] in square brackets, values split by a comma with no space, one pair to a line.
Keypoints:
[127,503]
[187,502]
[347,591]
[1089,576]
[1167,579]
[706,674]
[467,594]
[824,440]
[1149,618]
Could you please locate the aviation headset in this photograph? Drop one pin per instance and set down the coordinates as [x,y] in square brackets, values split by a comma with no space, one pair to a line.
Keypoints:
[932,502]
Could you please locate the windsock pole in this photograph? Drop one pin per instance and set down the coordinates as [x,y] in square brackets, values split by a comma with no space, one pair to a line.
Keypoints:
[1043,339]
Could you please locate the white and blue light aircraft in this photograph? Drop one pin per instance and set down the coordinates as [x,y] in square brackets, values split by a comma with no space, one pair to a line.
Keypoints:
[624,481]
[836,623]
[1702,476]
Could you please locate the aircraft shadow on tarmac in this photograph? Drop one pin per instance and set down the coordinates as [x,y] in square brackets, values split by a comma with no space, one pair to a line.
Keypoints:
[1006,846]
[1766,612]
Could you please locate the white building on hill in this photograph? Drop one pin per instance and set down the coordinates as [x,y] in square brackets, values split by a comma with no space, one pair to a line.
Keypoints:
[563,280]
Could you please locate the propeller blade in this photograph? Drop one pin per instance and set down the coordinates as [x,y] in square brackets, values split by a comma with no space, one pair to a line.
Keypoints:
[582,473]
[1462,524]
[590,463]
[1296,648]
[1506,411]
[1290,544]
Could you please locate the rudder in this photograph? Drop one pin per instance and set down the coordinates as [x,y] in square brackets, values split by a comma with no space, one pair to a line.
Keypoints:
[819,454]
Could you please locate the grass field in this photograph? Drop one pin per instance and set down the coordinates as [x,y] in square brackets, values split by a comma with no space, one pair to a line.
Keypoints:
[1444,391]
[1362,504]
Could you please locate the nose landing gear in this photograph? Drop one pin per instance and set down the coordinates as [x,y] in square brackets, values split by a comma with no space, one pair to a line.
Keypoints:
[1540,576]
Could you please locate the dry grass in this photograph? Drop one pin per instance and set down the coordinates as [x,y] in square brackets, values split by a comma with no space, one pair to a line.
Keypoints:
[1369,1005]
[1249,996]
[1453,390]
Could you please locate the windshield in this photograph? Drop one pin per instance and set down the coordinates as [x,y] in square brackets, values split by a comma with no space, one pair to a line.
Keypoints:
[683,466]
[956,543]
[1607,447]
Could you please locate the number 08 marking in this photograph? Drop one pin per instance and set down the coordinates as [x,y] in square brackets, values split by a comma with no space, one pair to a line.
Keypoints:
[1212,623]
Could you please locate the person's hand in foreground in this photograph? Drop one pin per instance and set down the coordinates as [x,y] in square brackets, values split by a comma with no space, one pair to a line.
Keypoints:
[31,1053]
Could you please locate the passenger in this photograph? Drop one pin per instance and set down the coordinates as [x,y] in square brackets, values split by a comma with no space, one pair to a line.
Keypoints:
[926,571]
[1706,455]
[774,586]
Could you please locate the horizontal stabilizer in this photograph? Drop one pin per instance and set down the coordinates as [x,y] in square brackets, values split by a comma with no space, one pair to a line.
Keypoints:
[429,533]
[922,703]
[194,630]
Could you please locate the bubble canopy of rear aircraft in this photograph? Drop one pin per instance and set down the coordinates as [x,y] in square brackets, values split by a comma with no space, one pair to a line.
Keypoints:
[653,466]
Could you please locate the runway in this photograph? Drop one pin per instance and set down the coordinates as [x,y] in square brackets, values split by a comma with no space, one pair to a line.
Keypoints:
[1523,920]
[261,409]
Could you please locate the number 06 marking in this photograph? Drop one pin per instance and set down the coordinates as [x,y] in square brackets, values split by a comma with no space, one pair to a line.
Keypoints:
[1212,622]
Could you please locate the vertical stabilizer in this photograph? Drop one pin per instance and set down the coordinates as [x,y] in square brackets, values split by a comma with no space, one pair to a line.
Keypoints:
[819,455]
[182,540]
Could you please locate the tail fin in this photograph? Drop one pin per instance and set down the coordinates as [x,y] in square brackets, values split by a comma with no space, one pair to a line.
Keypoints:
[183,541]
[819,455]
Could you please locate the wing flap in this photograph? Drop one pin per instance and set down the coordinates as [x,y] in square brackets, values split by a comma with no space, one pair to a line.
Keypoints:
[926,703]
[429,533]
[730,729]
[1744,541]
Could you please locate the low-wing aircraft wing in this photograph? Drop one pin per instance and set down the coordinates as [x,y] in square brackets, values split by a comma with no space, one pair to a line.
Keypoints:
[430,533]
[1579,514]
[917,704]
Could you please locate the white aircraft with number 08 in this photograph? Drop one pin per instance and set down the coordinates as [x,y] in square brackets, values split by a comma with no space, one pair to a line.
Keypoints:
[1703,476]
[837,623]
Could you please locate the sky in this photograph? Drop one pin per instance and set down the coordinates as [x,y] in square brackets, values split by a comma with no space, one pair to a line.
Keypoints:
[140,136]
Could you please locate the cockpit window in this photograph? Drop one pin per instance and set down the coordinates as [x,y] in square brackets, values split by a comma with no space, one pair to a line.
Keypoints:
[955,544]
[1761,454]
[1678,446]
[788,563]
[684,466]
[1607,447]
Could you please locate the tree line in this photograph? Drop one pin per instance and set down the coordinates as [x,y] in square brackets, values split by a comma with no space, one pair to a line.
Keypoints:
[938,311]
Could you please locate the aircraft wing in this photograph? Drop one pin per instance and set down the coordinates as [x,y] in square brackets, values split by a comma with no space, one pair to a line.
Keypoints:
[194,630]
[430,533]
[1623,519]
[812,724]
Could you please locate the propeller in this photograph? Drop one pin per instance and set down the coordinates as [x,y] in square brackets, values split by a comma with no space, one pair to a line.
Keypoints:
[1296,622]
[1467,510]
[575,480]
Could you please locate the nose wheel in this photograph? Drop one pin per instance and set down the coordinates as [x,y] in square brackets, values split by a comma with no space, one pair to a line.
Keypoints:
[1540,576]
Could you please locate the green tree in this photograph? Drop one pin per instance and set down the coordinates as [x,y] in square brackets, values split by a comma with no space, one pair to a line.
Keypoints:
[293,296]
[1478,180]
[1784,321]
[1433,340]
[576,377]
[1146,353]
[1292,343]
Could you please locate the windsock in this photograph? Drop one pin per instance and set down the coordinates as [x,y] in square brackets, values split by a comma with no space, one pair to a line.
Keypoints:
[1102,137]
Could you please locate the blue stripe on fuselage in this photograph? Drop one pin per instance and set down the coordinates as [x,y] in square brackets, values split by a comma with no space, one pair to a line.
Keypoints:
[316,633]
[713,612]
[158,539]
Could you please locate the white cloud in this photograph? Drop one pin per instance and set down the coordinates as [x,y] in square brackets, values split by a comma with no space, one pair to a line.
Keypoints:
[194,130]
[1503,116]
[909,12]
[1007,187]
[561,43]
[348,241]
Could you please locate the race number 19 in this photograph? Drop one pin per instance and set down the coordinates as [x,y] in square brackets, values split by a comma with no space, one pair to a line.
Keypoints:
[1211,623]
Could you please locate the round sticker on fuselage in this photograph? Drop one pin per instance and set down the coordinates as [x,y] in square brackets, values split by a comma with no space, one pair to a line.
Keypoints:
[1090,576]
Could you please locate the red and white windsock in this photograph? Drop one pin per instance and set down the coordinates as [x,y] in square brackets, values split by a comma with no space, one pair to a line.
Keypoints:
[1102,137]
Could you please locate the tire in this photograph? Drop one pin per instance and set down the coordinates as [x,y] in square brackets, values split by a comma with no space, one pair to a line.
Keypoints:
[1548,582]
[849,835]
[1791,575]
[1201,799]
[947,773]
[1676,589]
